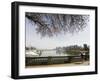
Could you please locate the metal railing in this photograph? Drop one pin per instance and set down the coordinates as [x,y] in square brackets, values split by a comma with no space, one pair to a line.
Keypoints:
[29,61]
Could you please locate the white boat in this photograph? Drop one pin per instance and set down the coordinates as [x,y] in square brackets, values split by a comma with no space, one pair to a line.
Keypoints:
[31,54]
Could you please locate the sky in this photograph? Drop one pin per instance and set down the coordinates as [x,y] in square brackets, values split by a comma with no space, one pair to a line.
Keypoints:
[35,40]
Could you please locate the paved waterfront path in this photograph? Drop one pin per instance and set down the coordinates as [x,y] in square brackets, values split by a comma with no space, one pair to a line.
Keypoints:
[60,65]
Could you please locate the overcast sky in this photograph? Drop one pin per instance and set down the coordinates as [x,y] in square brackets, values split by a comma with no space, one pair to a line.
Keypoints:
[35,40]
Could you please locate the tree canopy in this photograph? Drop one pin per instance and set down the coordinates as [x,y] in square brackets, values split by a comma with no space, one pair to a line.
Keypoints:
[54,24]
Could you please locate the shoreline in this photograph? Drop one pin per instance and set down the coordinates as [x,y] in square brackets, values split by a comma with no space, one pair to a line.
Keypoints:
[85,63]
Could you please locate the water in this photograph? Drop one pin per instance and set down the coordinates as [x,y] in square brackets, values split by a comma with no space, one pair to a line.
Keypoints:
[52,53]
[45,53]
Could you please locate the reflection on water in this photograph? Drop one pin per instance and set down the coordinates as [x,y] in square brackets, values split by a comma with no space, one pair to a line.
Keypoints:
[52,53]
[44,53]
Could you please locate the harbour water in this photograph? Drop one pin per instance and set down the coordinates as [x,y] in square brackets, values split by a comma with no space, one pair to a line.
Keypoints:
[52,53]
[45,53]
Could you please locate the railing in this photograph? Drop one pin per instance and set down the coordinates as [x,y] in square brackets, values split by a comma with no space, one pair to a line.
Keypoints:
[30,61]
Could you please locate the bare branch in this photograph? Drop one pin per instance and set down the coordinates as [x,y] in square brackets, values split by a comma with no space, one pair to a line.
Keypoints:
[54,24]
